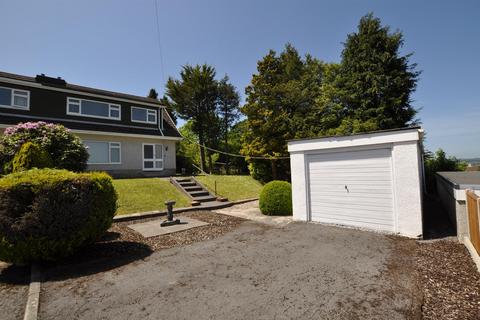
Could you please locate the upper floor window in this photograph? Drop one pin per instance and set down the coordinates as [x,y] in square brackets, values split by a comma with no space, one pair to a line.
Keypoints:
[144,115]
[95,109]
[14,98]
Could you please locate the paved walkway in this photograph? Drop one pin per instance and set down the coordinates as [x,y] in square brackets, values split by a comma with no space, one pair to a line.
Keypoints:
[251,211]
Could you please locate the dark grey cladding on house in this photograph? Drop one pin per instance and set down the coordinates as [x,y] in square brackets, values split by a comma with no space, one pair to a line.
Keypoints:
[48,102]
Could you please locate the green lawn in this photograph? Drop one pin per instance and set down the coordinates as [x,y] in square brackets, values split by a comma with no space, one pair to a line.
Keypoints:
[232,187]
[148,194]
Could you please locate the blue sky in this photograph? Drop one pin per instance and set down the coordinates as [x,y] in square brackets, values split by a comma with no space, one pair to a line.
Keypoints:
[112,44]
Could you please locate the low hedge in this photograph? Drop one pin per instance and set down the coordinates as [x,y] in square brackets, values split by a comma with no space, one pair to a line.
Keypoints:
[276,198]
[46,214]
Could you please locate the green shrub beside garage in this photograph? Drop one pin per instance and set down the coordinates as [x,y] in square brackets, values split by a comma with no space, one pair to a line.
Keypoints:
[276,198]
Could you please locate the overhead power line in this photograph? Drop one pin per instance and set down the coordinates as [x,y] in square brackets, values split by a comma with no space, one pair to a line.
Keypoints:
[159,40]
[234,154]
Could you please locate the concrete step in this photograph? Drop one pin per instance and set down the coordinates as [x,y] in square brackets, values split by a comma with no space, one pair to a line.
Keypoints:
[195,203]
[214,205]
[199,193]
[183,180]
[187,184]
[194,188]
[204,198]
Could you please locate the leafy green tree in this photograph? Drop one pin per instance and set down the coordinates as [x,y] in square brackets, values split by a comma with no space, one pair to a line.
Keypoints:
[439,161]
[153,94]
[194,98]
[373,85]
[278,107]
[291,97]
[188,156]
[187,147]
[165,102]
[235,146]
[229,111]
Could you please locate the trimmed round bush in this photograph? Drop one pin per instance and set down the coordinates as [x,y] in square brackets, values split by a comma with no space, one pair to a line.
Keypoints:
[65,149]
[47,214]
[31,156]
[276,198]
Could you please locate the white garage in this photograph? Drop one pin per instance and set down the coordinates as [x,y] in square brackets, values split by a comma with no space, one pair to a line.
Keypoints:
[372,181]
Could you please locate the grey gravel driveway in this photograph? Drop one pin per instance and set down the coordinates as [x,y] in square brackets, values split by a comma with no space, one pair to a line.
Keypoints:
[300,271]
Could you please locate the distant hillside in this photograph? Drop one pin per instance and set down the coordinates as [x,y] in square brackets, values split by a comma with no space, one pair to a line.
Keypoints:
[472,160]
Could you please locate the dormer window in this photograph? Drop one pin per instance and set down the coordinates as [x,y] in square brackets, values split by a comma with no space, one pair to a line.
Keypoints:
[144,115]
[14,98]
[94,109]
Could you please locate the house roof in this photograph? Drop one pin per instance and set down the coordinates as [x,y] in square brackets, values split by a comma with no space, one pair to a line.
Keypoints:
[81,88]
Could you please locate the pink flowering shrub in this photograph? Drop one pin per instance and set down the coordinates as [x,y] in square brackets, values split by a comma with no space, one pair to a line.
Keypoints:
[65,149]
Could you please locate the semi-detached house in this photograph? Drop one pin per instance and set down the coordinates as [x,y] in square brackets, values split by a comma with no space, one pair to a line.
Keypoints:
[126,135]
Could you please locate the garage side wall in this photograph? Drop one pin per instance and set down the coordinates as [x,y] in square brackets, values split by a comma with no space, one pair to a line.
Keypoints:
[408,186]
[299,190]
[456,208]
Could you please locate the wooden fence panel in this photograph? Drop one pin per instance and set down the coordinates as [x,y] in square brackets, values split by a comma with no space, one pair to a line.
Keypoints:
[473,204]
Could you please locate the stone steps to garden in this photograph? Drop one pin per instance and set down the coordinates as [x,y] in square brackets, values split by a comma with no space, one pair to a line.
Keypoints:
[199,195]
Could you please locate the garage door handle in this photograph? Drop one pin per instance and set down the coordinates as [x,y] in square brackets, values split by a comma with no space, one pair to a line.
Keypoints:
[346,188]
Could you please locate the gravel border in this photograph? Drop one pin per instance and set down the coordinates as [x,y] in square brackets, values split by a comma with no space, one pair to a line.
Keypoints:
[449,281]
[121,245]
[219,224]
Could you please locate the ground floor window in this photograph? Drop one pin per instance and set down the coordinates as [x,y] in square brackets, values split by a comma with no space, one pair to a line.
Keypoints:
[152,156]
[102,152]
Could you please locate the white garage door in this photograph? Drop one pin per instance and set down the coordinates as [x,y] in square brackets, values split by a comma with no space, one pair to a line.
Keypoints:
[352,188]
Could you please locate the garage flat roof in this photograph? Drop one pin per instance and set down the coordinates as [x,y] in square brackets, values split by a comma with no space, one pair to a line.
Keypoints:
[353,135]
[462,179]
[355,140]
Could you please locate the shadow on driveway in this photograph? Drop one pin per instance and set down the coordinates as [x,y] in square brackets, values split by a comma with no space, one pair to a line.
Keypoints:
[96,258]
[14,282]
[99,257]
[11,274]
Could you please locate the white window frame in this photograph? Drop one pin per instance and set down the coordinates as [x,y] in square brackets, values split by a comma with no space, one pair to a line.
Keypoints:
[111,106]
[154,112]
[154,159]
[12,99]
[111,145]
